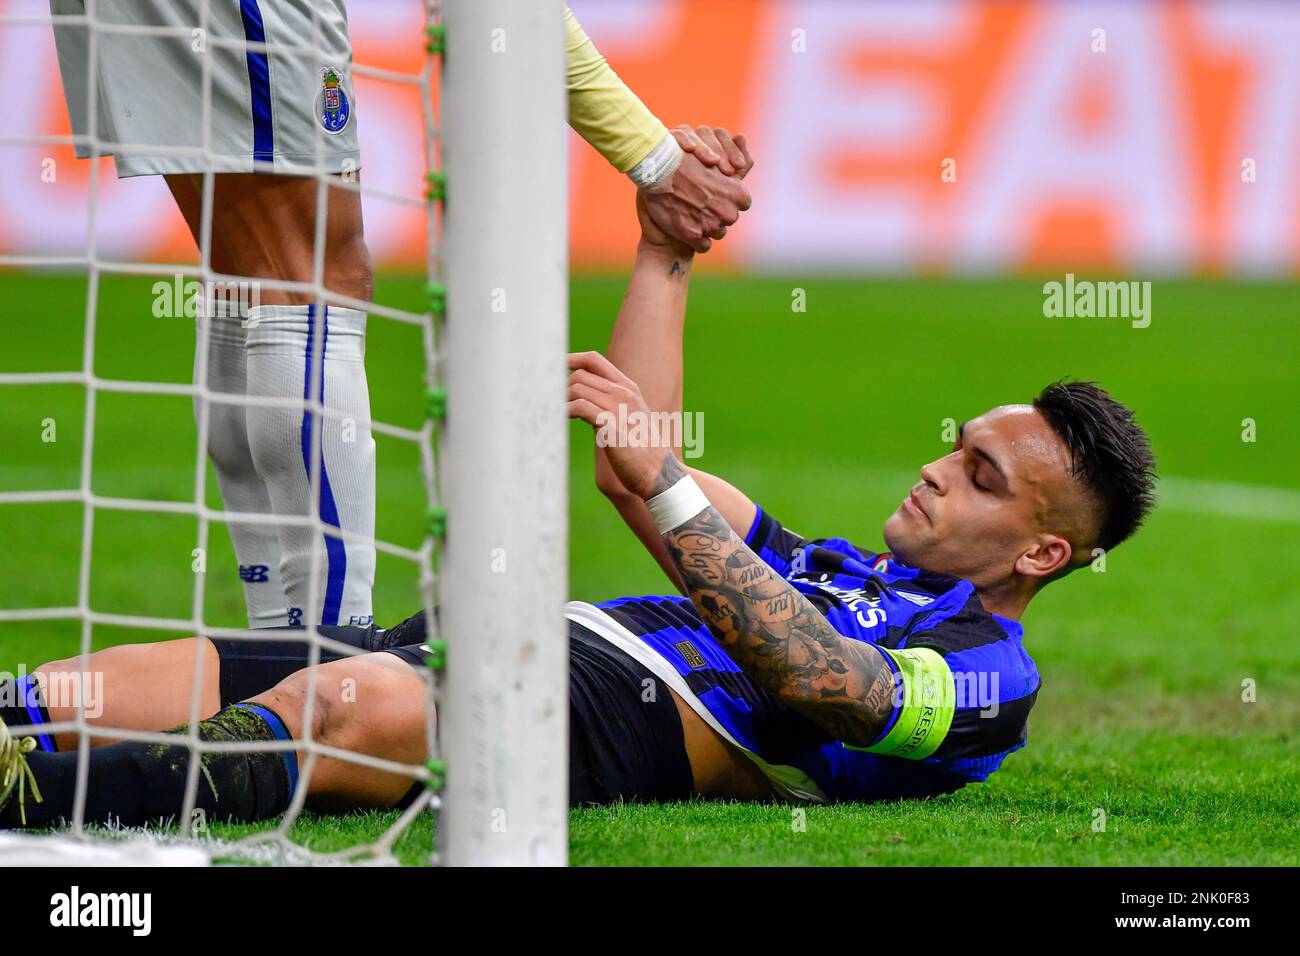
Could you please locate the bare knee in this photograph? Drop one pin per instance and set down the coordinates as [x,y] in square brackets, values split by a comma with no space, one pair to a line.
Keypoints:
[289,700]
[361,271]
[361,703]
[374,705]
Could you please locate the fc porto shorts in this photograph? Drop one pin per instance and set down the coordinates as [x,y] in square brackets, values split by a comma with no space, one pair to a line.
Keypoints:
[286,108]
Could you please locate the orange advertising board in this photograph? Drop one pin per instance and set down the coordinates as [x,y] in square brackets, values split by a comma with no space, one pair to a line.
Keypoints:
[889,136]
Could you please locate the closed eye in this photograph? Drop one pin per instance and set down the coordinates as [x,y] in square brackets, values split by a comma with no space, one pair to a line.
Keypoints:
[980,456]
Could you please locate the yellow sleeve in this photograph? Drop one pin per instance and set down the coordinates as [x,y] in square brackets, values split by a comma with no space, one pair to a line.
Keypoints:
[602,109]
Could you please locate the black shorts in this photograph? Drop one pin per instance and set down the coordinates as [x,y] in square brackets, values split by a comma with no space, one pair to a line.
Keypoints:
[249,668]
[625,735]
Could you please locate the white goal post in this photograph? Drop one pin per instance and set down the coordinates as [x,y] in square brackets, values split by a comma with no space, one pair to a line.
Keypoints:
[505,446]
[495,562]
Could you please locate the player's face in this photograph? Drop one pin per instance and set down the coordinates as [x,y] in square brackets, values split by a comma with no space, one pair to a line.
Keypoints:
[976,510]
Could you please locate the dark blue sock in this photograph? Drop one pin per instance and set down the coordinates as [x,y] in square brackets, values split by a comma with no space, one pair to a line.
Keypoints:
[277,727]
[136,783]
[20,704]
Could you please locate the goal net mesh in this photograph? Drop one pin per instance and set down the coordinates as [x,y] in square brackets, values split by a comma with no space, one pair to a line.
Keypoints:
[280,841]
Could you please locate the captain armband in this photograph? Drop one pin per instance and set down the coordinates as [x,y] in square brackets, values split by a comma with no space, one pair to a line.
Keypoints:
[924,707]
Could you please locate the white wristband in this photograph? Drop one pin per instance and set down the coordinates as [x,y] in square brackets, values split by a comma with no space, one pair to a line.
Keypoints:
[678,505]
[655,172]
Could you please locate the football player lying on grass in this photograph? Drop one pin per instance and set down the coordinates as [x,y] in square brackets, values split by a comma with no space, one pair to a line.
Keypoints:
[796,669]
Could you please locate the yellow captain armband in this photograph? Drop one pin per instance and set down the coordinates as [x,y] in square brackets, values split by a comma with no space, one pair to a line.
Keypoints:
[925,704]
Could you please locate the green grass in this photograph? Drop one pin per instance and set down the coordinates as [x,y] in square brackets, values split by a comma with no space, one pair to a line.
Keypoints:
[823,417]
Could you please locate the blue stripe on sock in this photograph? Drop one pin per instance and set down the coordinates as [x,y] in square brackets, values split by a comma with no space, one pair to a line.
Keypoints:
[22,685]
[335,552]
[259,82]
[278,729]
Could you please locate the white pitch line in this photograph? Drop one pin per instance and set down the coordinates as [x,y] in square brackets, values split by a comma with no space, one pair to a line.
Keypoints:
[1229,499]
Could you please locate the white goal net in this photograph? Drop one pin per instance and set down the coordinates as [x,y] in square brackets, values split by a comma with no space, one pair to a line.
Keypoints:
[492,451]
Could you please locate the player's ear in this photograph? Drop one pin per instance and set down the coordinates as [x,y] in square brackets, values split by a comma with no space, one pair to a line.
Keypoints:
[1049,555]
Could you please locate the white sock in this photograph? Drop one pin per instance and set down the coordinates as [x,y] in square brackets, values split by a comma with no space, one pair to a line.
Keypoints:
[257,545]
[285,348]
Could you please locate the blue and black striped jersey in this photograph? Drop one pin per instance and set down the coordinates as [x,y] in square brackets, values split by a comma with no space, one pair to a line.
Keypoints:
[867,597]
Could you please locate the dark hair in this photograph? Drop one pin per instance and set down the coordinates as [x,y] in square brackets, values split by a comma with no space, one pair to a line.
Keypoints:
[1109,454]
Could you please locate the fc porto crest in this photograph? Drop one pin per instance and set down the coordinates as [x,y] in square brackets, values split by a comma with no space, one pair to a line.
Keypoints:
[333,108]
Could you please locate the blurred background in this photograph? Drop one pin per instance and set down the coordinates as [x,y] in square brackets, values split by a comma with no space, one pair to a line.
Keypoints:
[922,169]
[1155,136]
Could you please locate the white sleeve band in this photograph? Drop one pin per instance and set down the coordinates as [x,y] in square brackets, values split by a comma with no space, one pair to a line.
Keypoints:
[655,172]
[678,505]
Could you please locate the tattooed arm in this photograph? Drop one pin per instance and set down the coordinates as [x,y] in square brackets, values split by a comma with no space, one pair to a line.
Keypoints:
[646,347]
[766,626]
[775,634]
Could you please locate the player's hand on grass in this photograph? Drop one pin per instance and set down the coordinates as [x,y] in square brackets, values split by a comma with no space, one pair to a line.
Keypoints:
[706,195]
[597,389]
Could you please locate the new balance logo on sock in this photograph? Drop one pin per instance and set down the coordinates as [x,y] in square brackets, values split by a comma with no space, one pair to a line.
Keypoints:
[254,573]
[103,909]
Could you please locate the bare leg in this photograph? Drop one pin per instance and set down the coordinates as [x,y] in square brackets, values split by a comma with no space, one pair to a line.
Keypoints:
[373,704]
[264,227]
[132,687]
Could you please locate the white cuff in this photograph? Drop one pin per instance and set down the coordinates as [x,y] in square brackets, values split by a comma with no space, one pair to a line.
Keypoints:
[678,505]
[655,172]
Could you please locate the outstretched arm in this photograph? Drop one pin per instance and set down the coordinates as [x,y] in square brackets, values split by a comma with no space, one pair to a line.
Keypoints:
[646,344]
[687,183]
[765,624]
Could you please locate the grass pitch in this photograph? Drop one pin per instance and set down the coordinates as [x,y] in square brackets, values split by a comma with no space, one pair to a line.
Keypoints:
[1142,750]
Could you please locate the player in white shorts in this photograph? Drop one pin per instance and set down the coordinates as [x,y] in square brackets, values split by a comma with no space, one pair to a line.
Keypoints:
[281,111]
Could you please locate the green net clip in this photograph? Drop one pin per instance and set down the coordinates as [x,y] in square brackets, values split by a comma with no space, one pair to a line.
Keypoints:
[437,774]
[437,518]
[437,649]
[437,293]
[437,38]
[435,400]
[437,188]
